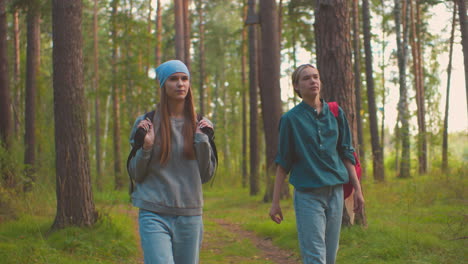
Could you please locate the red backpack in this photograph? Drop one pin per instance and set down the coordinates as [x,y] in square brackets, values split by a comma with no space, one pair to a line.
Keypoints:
[348,187]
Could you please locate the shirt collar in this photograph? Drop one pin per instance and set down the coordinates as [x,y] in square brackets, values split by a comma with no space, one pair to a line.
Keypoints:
[325,108]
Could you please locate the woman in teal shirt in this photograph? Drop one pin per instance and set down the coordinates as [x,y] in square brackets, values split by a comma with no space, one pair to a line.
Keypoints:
[315,148]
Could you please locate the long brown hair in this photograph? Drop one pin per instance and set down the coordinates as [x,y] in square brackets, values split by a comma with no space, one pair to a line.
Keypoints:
[188,130]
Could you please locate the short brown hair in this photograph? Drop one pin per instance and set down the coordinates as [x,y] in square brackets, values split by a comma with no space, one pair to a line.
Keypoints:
[297,73]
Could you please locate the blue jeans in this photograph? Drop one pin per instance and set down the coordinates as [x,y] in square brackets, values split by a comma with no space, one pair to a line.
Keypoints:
[318,218]
[170,239]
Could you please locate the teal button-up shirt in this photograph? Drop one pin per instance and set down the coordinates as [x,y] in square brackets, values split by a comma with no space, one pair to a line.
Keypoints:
[312,146]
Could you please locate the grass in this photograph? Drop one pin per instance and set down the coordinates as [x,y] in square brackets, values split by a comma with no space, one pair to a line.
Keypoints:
[226,247]
[417,220]
[27,238]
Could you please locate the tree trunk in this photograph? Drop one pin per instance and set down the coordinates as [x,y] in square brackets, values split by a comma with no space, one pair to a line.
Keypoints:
[158,47]
[464,34]
[419,85]
[293,20]
[32,64]
[186,14]
[384,89]
[332,35]
[128,67]
[244,98]
[118,181]
[403,112]
[148,44]
[270,87]
[377,158]
[17,109]
[449,74]
[357,82]
[75,205]
[222,109]
[252,21]
[97,111]
[280,21]
[179,29]
[201,32]
[158,34]
[6,121]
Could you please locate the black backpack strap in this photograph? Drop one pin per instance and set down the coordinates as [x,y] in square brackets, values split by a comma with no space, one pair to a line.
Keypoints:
[150,116]
[211,137]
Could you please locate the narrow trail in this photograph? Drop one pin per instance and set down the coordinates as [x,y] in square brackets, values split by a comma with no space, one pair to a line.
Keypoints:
[133,213]
[268,251]
[218,239]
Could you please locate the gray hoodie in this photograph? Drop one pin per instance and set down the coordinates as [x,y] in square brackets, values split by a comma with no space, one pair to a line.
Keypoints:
[176,188]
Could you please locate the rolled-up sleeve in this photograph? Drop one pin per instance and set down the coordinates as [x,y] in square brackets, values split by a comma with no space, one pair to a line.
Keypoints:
[138,167]
[285,154]
[345,141]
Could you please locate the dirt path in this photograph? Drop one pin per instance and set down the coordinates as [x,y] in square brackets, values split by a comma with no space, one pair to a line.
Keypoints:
[220,236]
[133,213]
[268,253]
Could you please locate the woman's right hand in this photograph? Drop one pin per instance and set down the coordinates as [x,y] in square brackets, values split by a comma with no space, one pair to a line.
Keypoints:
[149,138]
[275,213]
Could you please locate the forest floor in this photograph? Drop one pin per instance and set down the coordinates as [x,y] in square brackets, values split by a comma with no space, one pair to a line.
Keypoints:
[223,239]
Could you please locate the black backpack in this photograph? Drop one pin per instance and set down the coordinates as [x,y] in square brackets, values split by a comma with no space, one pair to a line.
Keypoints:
[140,135]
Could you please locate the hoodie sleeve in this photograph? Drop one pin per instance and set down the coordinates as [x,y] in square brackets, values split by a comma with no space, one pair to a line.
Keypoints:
[138,166]
[205,156]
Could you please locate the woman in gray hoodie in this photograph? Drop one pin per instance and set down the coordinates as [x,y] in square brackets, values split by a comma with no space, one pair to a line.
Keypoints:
[169,170]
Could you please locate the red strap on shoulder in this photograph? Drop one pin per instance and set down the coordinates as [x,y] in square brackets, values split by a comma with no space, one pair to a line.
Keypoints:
[334,108]
[347,187]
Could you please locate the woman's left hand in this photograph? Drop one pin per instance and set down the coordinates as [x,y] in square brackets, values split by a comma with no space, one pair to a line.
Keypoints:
[203,123]
[358,202]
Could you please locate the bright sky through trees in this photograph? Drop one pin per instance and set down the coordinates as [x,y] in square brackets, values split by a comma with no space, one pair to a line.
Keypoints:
[440,24]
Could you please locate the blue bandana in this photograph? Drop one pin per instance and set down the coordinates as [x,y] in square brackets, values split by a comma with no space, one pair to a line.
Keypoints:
[168,68]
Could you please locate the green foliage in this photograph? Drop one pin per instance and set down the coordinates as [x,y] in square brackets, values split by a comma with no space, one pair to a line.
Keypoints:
[410,221]
[28,238]
[417,220]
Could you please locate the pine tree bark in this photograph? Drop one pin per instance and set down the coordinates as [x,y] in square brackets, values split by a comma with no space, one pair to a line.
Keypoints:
[384,90]
[6,120]
[149,42]
[17,105]
[464,34]
[75,205]
[419,85]
[201,50]
[186,18]
[251,22]
[179,29]
[449,75]
[332,35]
[32,64]
[403,112]
[118,181]
[244,98]
[357,82]
[97,111]
[270,87]
[292,14]
[377,158]
[158,34]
